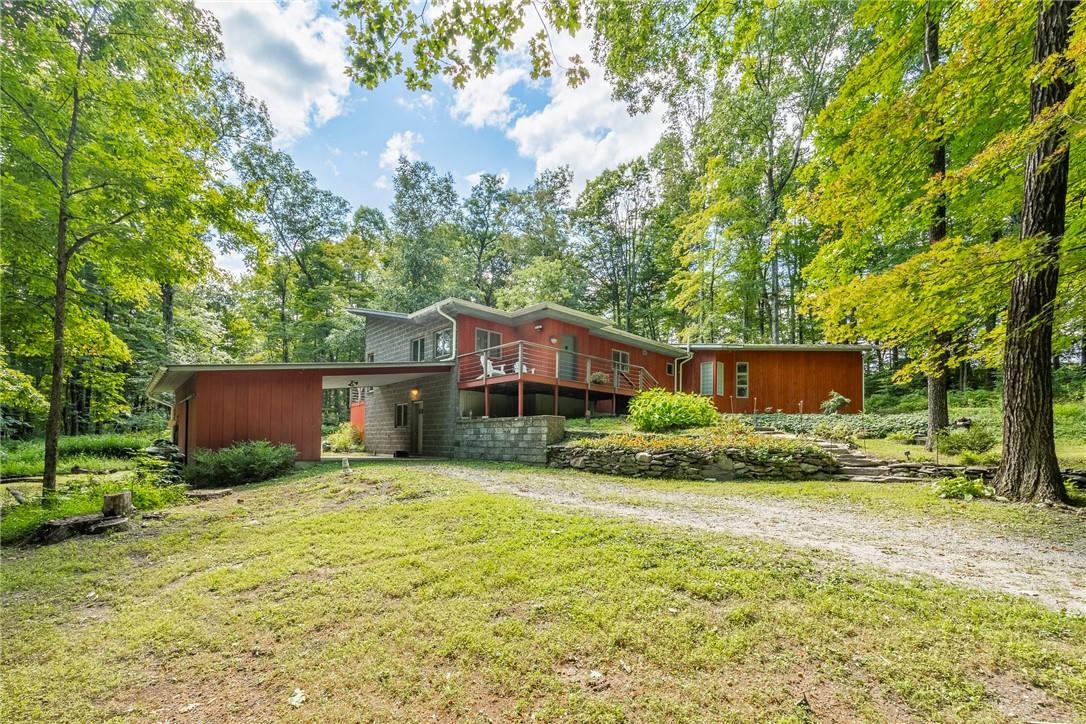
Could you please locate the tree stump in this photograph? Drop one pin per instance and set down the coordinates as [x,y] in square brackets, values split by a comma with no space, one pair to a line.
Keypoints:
[117,505]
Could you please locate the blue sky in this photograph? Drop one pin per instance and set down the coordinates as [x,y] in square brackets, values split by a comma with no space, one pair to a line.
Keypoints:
[290,54]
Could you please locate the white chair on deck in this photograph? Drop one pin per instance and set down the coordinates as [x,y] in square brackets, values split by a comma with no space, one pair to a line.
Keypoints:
[489,368]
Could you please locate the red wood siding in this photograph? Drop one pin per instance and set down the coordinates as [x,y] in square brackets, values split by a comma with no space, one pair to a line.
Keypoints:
[781,378]
[281,406]
[587,343]
[358,417]
[183,414]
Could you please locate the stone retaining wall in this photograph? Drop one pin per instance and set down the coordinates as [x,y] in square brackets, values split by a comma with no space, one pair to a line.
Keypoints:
[686,464]
[512,439]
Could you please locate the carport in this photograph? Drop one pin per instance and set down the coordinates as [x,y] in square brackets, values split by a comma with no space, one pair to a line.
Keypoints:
[217,405]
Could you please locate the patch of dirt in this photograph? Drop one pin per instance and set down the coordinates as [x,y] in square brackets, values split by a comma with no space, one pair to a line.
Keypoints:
[1020,701]
[961,554]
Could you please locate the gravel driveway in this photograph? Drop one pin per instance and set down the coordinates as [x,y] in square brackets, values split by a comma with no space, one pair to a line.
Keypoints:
[962,554]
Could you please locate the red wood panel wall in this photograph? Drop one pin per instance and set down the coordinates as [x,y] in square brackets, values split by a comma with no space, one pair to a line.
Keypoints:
[183,414]
[587,343]
[358,416]
[781,379]
[281,406]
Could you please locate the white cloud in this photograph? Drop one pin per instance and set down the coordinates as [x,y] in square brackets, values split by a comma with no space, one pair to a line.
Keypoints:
[400,144]
[382,182]
[290,56]
[486,101]
[583,127]
[420,102]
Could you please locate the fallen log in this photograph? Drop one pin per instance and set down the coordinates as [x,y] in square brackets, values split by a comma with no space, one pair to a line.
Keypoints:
[209,494]
[114,517]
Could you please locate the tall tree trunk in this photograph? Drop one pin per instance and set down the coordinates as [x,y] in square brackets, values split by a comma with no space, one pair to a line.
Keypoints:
[167,320]
[56,385]
[60,297]
[1030,470]
[938,414]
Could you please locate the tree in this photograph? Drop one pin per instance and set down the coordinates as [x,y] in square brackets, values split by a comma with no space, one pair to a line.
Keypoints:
[110,162]
[1029,469]
[614,214]
[484,237]
[418,265]
[305,225]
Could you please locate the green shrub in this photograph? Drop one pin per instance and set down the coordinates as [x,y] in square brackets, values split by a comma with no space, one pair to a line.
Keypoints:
[834,403]
[81,497]
[1069,420]
[659,410]
[907,436]
[974,439]
[889,403]
[838,432]
[1069,383]
[239,464]
[991,458]
[974,398]
[960,488]
[865,425]
[717,439]
[345,438]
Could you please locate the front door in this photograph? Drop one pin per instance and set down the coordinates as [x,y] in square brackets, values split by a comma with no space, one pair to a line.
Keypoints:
[567,359]
[414,428]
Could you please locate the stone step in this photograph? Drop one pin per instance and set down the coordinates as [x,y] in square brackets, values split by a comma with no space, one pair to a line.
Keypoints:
[868,471]
[880,479]
[860,462]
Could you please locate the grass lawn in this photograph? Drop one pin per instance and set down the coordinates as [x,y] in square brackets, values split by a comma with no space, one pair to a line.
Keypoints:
[76,495]
[393,593]
[1071,453]
[95,453]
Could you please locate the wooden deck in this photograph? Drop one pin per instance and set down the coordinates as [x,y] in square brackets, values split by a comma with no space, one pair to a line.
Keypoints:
[547,382]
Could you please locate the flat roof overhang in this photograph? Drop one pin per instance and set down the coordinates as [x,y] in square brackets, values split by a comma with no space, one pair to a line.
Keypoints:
[543,310]
[757,347]
[334,375]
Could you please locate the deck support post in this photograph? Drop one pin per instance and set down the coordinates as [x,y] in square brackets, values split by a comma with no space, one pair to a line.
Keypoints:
[520,397]
[614,404]
[556,400]
[486,399]
[586,402]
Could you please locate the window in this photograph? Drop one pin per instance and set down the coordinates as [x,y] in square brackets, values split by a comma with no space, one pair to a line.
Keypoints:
[485,339]
[442,343]
[418,349]
[720,378]
[620,360]
[706,378]
[669,369]
[369,356]
[742,379]
[401,415]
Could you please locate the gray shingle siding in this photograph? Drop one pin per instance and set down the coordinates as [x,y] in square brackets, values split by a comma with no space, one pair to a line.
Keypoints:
[439,397]
[389,340]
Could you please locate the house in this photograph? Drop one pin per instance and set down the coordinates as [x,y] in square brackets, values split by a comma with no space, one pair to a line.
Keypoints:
[542,359]
[424,370]
[746,378]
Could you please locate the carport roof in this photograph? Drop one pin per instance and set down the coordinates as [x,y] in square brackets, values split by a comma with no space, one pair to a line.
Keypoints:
[334,374]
